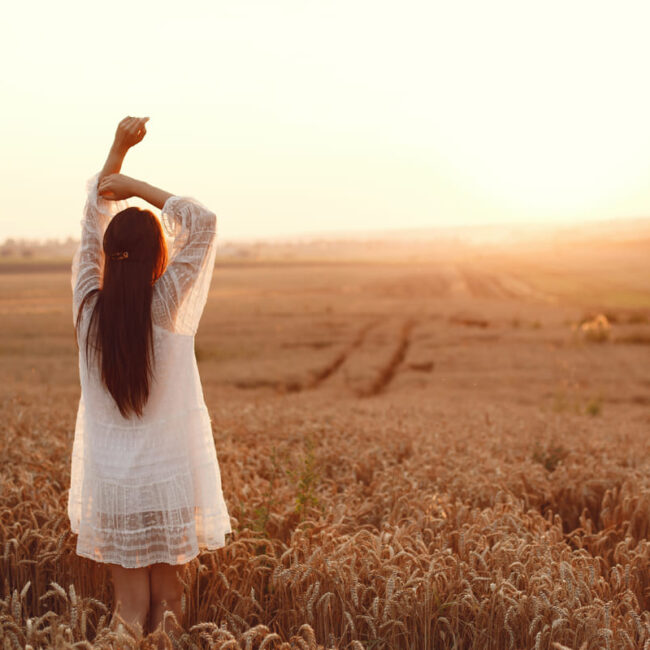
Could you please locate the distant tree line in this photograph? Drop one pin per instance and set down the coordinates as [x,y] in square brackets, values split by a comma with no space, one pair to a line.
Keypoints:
[34,248]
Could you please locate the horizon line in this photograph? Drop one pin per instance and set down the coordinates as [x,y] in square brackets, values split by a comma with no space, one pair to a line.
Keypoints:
[360,233]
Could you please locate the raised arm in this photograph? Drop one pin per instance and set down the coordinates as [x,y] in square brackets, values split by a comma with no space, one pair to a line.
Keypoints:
[181,292]
[117,187]
[129,132]
[88,260]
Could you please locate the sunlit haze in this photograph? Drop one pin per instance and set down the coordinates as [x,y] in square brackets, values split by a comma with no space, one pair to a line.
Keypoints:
[292,117]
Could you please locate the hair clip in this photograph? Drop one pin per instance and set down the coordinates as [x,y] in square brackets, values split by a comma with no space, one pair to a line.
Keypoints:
[119,256]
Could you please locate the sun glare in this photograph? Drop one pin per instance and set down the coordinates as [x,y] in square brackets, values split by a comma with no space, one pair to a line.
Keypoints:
[295,117]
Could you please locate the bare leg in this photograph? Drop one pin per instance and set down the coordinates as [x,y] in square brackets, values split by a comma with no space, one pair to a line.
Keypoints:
[131,595]
[166,591]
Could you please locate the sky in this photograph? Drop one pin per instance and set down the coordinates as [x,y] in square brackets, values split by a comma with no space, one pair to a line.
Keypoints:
[293,117]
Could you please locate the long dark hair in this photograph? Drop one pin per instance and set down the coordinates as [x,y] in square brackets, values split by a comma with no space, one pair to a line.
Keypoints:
[123,331]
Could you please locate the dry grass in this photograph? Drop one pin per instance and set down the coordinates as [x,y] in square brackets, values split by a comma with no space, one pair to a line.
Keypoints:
[383,508]
[597,329]
[406,544]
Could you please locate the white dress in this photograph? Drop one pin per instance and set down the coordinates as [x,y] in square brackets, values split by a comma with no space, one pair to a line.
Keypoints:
[148,490]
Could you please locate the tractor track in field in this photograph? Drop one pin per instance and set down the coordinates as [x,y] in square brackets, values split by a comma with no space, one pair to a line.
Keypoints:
[387,373]
[319,376]
[381,381]
[502,286]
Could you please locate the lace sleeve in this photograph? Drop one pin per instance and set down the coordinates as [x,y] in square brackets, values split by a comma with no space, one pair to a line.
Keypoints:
[88,259]
[182,291]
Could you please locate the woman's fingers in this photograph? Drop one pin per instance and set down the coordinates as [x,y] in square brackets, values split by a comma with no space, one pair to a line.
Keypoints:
[140,129]
[131,130]
[129,121]
[135,127]
[109,186]
[107,181]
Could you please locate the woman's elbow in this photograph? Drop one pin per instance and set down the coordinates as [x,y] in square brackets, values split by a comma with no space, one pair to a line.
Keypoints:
[211,221]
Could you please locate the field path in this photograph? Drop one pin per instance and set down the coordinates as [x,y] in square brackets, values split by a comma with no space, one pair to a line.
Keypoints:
[482,284]
[388,371]
[319,376]
[456,280]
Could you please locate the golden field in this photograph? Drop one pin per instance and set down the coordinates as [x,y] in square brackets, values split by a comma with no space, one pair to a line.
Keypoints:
[423,453]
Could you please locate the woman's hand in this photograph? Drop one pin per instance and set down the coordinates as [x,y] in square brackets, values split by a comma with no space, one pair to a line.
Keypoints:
[129,132]
[116,187]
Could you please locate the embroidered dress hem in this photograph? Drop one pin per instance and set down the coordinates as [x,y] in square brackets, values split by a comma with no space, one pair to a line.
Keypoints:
[153,557]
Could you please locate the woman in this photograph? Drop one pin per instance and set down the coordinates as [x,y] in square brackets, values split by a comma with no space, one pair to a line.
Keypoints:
[145,490]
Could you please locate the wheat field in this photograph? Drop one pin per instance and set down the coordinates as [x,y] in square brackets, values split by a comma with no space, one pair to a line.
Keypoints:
[414,454]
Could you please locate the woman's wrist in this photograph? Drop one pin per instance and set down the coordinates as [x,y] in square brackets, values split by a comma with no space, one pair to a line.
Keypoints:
[119,149]
[151,194]
[136,187]
[114,160]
